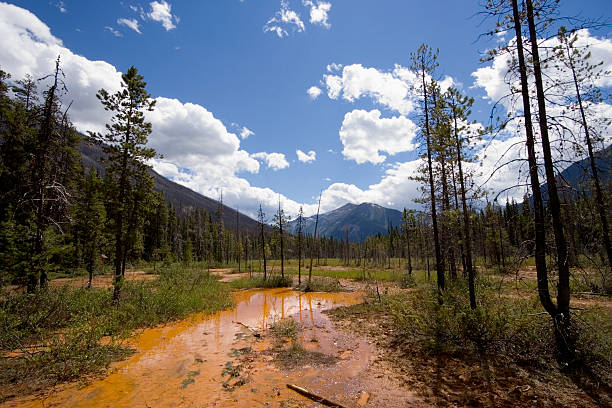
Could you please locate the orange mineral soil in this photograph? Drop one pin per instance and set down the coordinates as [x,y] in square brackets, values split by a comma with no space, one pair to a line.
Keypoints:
[228,360]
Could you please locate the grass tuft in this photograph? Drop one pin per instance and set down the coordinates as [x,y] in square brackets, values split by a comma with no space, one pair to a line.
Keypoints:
[273,281]
[57,334]
[286,328]
[321,284]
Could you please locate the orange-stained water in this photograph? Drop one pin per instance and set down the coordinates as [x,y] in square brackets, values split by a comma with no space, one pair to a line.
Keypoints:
[182,364]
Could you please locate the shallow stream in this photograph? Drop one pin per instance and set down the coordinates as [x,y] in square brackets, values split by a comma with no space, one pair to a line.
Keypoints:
[228,359]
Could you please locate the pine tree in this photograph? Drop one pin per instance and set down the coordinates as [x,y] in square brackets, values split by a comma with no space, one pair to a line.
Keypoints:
[129,182]
[314,237]
[460,109]
[53,165]
[300,233]
[26,91]
[561,313]
[424,62]
[279,222]
[38,169]
[90,216]
[261,217]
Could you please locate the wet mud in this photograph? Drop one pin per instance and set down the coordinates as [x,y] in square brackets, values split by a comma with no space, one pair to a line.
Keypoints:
[230,359]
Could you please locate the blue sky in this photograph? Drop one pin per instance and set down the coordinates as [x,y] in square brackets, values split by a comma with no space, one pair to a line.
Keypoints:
[231,65]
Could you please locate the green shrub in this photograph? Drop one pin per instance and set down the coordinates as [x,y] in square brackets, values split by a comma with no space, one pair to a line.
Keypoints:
[57,332]
[272,281]
[497,325]
[406,281]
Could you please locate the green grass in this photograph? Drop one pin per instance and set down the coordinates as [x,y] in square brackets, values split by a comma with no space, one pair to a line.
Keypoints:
[323,269]
[320,284]
[352,273]
[502,325]
[293,354]
[285,328]
[272,281]
[57,333]
[297,356]
[498,326]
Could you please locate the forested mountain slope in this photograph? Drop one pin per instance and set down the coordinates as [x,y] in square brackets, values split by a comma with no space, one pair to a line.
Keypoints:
[181,197]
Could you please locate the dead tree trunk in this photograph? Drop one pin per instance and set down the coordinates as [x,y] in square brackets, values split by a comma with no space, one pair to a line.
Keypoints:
[538,207]
[554,204]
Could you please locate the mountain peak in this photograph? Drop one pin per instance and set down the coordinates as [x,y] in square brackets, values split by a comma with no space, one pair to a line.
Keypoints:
[361,220]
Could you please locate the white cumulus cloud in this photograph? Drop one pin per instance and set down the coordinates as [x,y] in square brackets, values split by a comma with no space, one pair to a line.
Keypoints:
[306,157]
[365,134]
[161,11]
[274,161]
[314,92]
[395,189]
[397,90]
[318,12]
[391,89]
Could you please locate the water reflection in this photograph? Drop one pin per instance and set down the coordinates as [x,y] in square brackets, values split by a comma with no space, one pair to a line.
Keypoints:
[198,348]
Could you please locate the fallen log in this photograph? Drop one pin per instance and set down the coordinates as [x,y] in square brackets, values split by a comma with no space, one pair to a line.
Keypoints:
[314,397]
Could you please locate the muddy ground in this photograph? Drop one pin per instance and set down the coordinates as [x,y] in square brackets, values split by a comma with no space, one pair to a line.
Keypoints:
[346,354]
[231,359]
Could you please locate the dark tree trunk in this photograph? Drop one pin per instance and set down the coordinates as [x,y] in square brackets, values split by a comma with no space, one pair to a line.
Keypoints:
[263,251]
[314,238]
[554,204]
[282,243]
[300,257]
[432,190]
[408,252]
[238,254]
[448,246]
[538,208]
[468,265]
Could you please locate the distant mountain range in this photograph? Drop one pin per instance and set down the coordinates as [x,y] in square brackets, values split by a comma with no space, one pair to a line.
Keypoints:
[362,220]
[576,178]
[367,219]
[182,198]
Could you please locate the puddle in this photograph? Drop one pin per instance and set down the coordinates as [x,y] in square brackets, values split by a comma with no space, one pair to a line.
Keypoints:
[222,360]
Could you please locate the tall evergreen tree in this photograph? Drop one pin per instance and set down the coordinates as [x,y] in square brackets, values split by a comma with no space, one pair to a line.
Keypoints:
[460,109]
[261,217]
[314,238]
[125,145]
[300,233]
[53,167]
[279,222]
[424,62]
[90,216]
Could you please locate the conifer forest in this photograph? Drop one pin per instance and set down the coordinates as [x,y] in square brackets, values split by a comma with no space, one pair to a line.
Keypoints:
[147,259]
